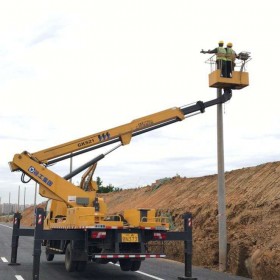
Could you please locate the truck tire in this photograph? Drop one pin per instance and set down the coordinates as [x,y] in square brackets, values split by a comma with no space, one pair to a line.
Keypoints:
[81,266]
[135,265]
[125,264]
[49,257]
[70,265]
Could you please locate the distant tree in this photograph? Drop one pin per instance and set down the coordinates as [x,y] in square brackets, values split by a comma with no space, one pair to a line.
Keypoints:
[107,189]
[99,182]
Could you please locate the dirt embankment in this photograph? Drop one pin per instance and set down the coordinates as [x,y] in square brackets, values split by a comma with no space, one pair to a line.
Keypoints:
[253,217]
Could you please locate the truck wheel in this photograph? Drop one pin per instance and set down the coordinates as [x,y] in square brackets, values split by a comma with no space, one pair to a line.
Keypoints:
[70,265]
[49,257]
[135,265]
[125,264]
[81,266]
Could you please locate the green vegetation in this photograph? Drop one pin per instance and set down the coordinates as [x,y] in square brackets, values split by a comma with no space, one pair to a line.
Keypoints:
[159,183]
[107,189]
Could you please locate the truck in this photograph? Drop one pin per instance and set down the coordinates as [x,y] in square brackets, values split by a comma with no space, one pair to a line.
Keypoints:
[80,215]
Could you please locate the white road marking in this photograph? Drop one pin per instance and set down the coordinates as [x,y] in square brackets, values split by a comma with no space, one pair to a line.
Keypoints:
[19,277]
[149,275]
[4,259]
[6,226]
[143,273]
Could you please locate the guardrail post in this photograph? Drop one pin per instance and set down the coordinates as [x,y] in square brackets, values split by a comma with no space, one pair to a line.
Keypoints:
[38,234]
[15,236]
[188,247]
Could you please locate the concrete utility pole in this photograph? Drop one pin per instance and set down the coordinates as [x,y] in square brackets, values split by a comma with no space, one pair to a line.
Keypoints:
[35,198]
[18,198]
[24,198]
[221,189]
[71,167]
[9,204]
[35,195]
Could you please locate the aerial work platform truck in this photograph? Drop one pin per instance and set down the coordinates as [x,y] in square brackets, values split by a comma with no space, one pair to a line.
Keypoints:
[76,222]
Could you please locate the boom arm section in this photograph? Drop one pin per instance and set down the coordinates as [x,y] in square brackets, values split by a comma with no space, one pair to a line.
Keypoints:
[122,133]
[59,188]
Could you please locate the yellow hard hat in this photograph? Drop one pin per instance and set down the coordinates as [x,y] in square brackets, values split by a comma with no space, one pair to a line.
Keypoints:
[229,44]
[221,42]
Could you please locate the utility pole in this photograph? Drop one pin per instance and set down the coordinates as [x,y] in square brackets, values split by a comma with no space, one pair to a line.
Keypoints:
[24,198]
[221,189]
[71,166]
[18,198]
[35,195]
[9,205]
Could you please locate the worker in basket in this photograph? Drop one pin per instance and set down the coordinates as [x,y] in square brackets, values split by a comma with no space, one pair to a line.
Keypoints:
[220,52]
[230,60]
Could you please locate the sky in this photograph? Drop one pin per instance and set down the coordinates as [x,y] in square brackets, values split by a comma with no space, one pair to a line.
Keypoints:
[69,69]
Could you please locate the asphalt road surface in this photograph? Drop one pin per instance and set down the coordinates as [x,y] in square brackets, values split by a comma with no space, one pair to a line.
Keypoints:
[158,269]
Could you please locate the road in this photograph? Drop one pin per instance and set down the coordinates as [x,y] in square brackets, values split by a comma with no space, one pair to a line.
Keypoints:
[158,269]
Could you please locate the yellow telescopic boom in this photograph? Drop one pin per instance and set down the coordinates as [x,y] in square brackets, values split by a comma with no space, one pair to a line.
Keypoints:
[54,186]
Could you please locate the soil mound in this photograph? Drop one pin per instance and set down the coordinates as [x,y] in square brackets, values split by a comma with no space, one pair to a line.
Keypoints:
[253,217]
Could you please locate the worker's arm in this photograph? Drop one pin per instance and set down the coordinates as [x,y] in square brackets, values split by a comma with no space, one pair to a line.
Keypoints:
[210,51]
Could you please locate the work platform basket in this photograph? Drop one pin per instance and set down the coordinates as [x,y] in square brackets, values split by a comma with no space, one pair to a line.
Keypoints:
[239,77]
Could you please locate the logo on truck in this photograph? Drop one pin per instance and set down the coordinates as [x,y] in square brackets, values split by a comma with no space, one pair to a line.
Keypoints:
[104,136]
[44,179]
